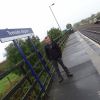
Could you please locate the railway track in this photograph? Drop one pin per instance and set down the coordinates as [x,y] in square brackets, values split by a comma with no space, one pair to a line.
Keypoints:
[92,32]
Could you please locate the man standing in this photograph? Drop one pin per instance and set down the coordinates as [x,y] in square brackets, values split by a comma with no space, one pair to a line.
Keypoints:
[53,53]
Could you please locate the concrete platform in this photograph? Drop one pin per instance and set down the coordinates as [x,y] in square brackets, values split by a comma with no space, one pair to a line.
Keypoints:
[81,56]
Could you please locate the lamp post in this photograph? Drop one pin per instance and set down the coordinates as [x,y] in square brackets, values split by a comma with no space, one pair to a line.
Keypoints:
[54,16]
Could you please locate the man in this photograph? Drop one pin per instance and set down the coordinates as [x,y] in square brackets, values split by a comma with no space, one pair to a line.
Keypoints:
[53,53]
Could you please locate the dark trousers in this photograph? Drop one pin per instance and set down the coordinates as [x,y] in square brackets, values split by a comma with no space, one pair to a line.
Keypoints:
[55,64]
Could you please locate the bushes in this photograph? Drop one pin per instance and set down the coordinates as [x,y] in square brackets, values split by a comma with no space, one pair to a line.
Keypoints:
[54,33]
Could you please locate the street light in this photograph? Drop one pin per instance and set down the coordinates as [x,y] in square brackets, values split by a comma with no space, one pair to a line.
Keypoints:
[54,16]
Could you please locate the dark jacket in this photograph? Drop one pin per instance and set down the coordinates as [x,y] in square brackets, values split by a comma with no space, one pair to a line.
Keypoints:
[53,51]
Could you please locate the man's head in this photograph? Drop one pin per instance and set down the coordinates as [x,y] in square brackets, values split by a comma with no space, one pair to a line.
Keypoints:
[47,40]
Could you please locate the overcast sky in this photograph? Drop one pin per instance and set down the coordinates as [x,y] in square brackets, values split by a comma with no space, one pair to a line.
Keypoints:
[36,14]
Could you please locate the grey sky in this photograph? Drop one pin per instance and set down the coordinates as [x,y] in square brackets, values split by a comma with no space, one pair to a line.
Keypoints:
[36,14]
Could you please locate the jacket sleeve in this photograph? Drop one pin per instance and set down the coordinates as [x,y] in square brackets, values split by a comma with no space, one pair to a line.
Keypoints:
[58,49]
[47,53]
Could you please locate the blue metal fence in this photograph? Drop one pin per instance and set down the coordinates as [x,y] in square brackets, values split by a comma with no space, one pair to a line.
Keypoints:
[34,79]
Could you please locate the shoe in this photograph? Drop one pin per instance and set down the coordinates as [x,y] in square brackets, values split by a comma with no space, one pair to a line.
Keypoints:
[69,75]
[60,79]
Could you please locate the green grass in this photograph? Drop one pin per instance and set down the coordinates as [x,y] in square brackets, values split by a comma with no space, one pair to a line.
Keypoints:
[8,82]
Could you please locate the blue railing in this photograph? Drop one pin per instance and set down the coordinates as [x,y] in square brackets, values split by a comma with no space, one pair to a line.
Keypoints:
[30,86]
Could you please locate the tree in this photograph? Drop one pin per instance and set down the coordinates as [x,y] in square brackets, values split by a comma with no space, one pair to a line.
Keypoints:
[54,33]
[13,55]
[98,15]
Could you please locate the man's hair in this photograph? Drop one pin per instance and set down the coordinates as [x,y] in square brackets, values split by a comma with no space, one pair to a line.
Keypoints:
[46,37]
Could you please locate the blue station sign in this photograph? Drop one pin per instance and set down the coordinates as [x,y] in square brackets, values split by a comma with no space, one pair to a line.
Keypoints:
[12,34]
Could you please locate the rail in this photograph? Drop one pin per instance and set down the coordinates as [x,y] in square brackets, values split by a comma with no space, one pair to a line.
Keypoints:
[93,33]
[26,87]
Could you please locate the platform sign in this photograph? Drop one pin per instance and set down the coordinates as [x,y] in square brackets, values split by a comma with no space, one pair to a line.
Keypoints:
[12,34]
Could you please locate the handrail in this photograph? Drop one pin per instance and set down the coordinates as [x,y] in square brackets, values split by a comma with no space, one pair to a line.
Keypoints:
[27,76]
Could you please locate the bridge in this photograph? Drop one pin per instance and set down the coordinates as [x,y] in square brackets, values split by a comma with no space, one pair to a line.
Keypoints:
[80,54]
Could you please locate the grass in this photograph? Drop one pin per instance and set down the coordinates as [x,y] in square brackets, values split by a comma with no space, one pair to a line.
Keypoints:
[7,82]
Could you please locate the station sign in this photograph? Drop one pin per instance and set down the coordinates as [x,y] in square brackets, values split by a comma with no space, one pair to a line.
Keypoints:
[12,34]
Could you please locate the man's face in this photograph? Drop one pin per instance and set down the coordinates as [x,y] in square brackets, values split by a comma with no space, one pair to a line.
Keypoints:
[47,40]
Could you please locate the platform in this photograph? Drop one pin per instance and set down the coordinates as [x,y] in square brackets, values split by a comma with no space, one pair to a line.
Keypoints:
[82,56]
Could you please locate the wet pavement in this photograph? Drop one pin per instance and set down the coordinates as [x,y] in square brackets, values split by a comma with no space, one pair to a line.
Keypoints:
[82,57]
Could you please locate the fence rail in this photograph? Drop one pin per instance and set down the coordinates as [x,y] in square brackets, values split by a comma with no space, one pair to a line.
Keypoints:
[26,87]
